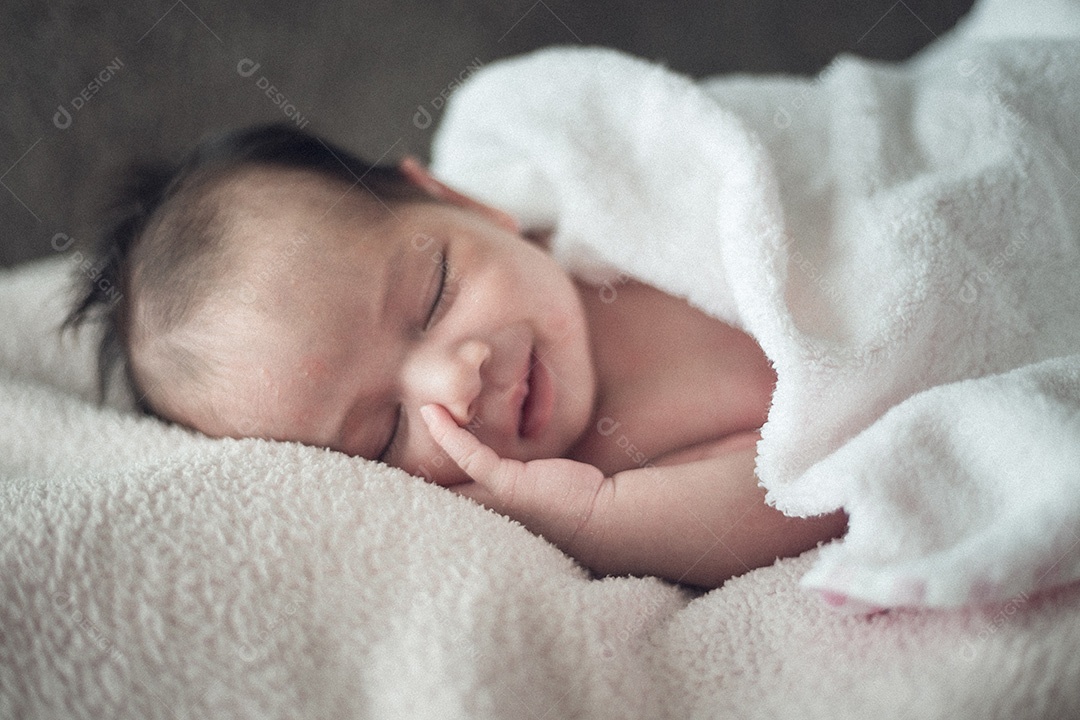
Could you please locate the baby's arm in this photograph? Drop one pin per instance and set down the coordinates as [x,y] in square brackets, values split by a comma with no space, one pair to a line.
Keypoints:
[698,522]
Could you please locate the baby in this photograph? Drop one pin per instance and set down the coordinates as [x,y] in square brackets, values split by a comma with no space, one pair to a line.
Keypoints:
[276,286]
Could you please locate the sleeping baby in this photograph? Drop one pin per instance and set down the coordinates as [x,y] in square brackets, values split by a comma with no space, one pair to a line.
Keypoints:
[276,286]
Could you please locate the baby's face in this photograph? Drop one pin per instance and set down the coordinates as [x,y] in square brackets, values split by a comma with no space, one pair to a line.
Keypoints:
[337,330]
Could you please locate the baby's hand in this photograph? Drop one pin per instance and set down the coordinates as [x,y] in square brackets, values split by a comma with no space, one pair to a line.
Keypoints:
[553,497]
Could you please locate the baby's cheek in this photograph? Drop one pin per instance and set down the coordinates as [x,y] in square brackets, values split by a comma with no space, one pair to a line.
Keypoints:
[314,369]
[309,384]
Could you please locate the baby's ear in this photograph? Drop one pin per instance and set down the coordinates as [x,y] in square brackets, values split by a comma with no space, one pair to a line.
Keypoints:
[422,178]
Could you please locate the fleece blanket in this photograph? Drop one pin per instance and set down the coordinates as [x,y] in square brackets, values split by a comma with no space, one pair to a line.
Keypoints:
[149,572]
[903,240]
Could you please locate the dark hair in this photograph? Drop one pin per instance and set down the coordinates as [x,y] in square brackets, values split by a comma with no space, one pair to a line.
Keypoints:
[153,193]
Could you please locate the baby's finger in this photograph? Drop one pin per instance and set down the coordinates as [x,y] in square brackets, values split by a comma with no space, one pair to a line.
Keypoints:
[477,460]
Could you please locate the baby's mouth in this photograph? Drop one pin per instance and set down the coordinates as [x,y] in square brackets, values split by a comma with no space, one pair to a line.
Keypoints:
[539,404]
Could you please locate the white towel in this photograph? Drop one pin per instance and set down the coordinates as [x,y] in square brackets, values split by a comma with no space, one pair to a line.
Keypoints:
[902,239]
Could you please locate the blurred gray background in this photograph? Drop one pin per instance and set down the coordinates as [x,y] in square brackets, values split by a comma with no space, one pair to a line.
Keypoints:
[88,86]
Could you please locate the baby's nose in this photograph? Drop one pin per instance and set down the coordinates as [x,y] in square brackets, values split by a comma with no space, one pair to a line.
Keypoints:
[455,380]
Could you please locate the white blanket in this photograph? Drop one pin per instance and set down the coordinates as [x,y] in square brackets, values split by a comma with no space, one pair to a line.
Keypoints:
[147,572]
[151,573]
[902,239]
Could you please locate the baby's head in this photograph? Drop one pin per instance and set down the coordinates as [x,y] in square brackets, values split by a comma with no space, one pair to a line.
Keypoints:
[274,285]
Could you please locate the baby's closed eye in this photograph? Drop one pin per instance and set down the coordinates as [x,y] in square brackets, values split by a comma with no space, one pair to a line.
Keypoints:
[442,292]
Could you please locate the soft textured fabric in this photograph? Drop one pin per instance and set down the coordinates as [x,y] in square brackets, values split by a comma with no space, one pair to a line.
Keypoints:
[148,572]
[903,240]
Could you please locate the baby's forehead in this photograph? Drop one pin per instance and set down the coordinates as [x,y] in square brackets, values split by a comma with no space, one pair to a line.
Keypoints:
[265,207]
[290,233]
